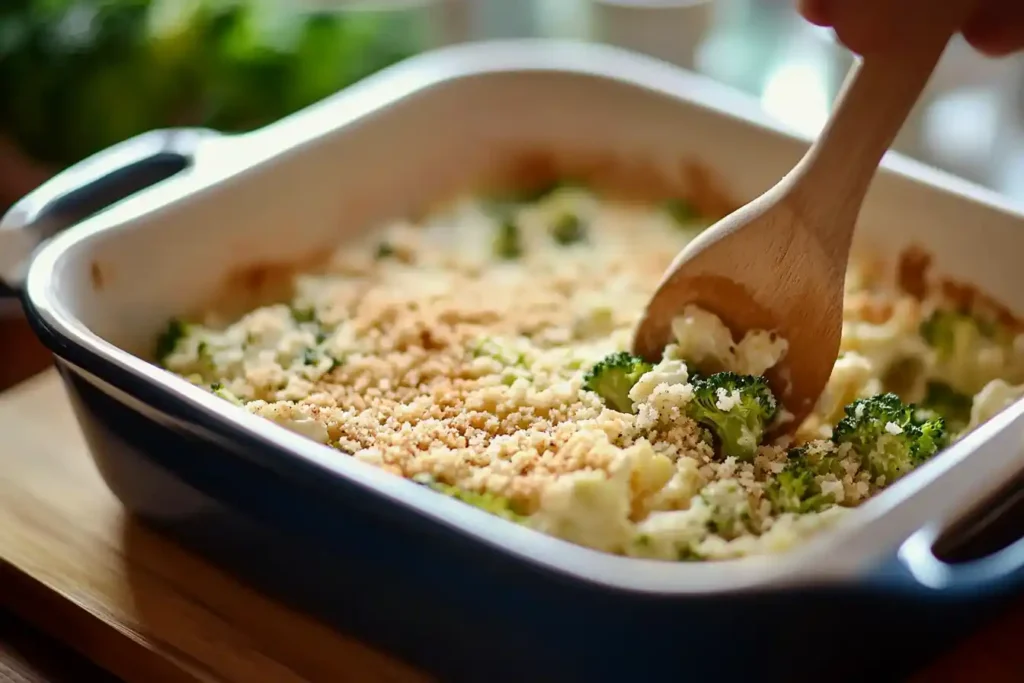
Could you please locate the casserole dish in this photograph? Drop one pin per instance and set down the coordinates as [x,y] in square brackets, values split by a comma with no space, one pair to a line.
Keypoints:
[454,590]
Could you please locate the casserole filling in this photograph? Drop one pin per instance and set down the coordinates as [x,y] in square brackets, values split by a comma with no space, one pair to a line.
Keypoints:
[482,351]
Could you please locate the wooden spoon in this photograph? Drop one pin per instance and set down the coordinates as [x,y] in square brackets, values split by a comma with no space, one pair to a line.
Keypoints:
[779,263]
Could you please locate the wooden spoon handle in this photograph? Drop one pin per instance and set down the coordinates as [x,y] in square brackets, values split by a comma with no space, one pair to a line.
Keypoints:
[876,98]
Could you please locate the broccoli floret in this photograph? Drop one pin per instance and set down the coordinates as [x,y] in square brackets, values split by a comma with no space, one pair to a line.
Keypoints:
[504,353]
[796,488]
[887,437]
[568,229]
[507,240]
[218,390]
[612,377]
[384,250]
[689,554]
[736,408]
[168,340]
[942,400]
[682,212]
[945,330]
[303,315]
[866,419]
[503,203]
[506,205]
[934,437]
[545,190]
[903,375]
[488,502]
[967,349]
[728,506]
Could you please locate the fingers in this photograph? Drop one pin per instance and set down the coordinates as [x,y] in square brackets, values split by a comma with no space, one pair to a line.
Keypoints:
[867,25]
[997,28]
[815,11]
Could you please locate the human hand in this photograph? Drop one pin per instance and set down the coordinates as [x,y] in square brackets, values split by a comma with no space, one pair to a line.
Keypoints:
[995,28]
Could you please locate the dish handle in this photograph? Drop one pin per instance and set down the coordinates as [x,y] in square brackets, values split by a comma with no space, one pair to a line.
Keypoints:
[988,561]
[979,550]
[87,188]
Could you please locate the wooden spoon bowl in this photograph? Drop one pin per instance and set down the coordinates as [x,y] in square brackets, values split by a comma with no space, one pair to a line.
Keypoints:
[779,263]
[770,288]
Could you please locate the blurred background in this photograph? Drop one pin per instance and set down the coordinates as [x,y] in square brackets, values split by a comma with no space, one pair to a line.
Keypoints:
[79,75]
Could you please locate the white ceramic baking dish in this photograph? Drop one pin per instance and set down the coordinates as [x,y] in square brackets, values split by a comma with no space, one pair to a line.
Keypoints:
[98,294]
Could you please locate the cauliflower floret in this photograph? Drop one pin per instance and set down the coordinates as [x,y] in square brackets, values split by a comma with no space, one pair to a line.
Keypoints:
[650,473]
[594,317]
[668,371]
[671,535]
[757,352]
[685,483]
[295,418]
[590,508]
[992,399]
[703,339]
[852,377]
[881,345]
[967,352]
[666,406]
[730,507]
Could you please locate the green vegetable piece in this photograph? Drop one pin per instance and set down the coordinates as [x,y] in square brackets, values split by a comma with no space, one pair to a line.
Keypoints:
[737,408]
[728,509]
[887,437]
[961,341]
[945,329]
[796,489]
[568,229]
[168,340]
[942,400]
[220,392]
[384,250]
[504,206]
[683,212]
[529,195]
[508,241]
[542,191]
[486,347]
[310,357]
[612,378]
[902,375]
[488,502]
[303,315]
[689,554]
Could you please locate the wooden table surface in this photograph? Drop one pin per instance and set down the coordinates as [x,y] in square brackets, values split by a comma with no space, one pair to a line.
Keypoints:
[74,566]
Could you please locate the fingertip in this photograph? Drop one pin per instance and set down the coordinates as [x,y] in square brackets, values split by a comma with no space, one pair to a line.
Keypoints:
[815,11]
[863,26]
[995,48]
[858,40]
[997,29]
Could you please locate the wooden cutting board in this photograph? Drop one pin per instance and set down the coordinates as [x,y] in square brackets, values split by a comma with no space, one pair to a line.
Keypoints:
[75,565]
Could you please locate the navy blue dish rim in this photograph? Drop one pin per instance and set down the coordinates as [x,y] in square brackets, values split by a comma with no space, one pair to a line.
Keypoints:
[434,595]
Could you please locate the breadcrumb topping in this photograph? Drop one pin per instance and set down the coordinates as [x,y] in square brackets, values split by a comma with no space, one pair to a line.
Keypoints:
[454,352]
